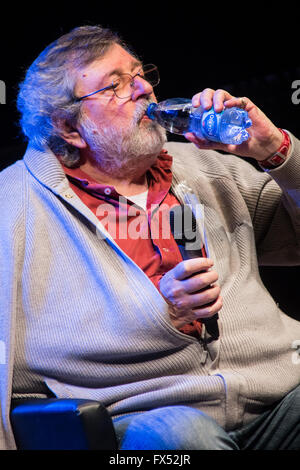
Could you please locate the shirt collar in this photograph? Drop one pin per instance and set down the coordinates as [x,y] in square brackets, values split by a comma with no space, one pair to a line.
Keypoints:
[159,178]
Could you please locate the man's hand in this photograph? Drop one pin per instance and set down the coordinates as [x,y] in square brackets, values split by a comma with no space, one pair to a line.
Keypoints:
[265,138]
[190,290]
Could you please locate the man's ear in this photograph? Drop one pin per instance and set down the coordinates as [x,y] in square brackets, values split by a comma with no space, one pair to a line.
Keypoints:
[69,133]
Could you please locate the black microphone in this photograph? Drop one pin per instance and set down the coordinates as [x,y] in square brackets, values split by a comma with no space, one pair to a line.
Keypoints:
[184,230]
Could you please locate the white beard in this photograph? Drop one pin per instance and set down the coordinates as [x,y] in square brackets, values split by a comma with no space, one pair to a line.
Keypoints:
[121,151]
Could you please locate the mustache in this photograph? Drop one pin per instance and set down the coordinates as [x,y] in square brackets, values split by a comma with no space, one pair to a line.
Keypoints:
[140,110]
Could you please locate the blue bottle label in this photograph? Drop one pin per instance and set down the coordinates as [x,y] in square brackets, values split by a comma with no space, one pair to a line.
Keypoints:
[210,125]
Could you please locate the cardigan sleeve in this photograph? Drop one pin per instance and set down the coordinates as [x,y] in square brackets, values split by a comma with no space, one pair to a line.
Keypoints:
[273,200]
[11,246]
[272,197]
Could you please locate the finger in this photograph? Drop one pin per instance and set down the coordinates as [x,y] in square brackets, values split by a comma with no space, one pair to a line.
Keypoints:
[196,100]
[200,281]
[209,311]
[207,296]
[240,102]
[198,141]
[207,144]
[204,98]
[220,96]
[187,268]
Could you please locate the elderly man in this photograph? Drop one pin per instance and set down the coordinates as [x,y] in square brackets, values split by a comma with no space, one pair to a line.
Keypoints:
[96,302]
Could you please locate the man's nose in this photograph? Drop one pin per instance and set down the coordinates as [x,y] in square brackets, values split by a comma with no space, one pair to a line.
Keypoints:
[140,87]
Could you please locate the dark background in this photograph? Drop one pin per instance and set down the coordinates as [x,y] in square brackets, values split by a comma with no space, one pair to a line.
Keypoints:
[249,50]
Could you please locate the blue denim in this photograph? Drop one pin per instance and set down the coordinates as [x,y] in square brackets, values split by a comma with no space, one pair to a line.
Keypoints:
[186,428]
[171,427]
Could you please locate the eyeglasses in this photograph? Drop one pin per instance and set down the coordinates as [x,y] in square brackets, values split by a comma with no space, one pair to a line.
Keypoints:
[123,85]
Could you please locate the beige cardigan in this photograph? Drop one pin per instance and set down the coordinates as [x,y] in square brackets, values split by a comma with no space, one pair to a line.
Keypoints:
[97,327]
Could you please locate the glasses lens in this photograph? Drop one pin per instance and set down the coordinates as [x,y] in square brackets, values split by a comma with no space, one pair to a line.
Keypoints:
[150,73]
[123,86]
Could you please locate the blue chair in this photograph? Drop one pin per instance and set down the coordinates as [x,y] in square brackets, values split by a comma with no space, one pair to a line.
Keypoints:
[62,424]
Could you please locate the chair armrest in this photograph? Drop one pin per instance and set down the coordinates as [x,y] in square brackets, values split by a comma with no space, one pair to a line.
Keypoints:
[62,424]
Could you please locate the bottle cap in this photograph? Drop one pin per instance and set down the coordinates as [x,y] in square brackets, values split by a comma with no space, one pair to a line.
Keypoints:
[150,110]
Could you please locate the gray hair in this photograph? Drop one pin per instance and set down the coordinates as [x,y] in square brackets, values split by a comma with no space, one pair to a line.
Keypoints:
[47,93]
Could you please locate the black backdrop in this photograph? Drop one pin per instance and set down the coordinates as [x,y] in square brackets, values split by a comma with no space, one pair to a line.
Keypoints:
[248,50]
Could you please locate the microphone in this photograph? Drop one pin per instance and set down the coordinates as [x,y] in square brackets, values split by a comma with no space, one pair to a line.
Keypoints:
[184,230]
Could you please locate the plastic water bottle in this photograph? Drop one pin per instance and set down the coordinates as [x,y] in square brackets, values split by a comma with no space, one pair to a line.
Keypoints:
[178,116]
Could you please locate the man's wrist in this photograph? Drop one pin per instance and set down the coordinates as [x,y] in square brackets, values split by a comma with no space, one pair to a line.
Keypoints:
[280,156]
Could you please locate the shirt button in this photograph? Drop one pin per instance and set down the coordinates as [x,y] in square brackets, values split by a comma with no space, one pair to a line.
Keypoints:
[107,191]
[166,250]
[68,195]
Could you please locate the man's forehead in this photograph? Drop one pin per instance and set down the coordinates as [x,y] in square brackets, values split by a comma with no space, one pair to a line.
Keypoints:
[115,60]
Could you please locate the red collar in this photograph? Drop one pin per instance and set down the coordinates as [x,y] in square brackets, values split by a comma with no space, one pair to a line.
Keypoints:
[159,178]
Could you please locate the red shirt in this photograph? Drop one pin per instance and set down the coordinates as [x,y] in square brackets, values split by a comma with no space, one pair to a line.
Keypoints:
[145,236]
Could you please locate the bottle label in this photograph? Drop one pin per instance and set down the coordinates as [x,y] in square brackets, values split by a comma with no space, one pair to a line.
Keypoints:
[210,125]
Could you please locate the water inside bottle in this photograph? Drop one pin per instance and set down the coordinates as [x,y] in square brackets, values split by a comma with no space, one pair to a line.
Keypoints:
[176,119]
[173,114]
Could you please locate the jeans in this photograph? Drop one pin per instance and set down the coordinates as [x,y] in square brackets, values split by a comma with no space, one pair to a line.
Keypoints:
[186,428]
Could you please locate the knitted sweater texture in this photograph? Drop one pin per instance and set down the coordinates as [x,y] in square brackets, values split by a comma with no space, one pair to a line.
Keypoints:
[90,324]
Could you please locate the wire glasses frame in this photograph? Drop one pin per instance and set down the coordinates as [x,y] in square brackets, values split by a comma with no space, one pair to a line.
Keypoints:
[122,86]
